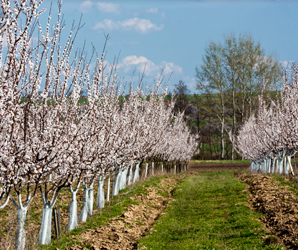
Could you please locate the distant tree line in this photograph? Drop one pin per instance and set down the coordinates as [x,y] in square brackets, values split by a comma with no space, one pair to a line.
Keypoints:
[229,80]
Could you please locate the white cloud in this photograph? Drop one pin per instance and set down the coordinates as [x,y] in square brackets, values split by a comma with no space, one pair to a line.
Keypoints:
[133,60]
[171,67]
[141,25]
[108,7]
[86,6]
[152,10]
[136,24]
[106,25]
[140,63]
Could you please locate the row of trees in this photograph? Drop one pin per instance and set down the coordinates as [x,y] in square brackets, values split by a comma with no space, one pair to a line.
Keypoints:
[271,136]
[48,143]
[229,81]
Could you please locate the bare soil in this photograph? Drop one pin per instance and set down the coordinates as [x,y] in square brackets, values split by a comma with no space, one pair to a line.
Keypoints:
[218,166]
[122,232]
[278,204]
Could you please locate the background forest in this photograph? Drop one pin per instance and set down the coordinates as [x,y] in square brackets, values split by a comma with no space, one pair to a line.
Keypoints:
[228,82]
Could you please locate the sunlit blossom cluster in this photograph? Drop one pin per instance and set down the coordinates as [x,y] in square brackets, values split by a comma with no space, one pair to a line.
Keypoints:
[272,134]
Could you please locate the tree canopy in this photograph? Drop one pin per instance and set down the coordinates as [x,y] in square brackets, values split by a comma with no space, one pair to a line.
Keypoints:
[232,74]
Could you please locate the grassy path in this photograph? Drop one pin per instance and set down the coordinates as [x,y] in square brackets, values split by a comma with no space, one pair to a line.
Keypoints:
[209,212]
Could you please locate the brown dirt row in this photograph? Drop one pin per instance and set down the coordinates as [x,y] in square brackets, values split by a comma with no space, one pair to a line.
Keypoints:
[122,232]
[278,204]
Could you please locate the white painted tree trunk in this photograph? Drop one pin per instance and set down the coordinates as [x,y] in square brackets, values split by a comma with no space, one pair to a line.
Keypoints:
[84,213]
[116,182]
[146,170]
[285,166]
[108,191]
[263,166]
[46,223]
[268,161]
[124,178]
[258,167]
[290,165]
[100,194]
[136,176]
[162,167]
[251,165]
[255,167]
[279,165]
[130,176]
[20,232]
[119,181]
[5,203]
[175,169]
[152,168]
[272,165]
[73,210]
[46,220]
[90,199]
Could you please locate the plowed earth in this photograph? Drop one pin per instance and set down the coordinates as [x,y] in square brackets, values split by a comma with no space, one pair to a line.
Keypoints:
[122,232]
[278,204]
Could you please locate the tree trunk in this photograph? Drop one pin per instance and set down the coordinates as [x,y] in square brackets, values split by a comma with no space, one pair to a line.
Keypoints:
[90,198]
[152,169]
[130,176]
[123,179]
[146,170]
[136,173]
[273,167]
[100,194]
[6,201]
[290,165]
[222,142]
[116,181]
[84,213]
[46,220]
[46,223]
[234,121]
[73,210]
[21,233]
[120,180]
[108,191]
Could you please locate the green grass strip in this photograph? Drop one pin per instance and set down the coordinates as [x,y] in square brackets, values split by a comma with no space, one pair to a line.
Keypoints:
[209,211]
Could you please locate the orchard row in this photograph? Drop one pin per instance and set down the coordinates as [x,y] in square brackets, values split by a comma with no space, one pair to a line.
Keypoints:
[270,138]
[49,141]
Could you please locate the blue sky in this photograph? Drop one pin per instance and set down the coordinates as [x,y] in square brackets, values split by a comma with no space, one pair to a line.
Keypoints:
[174,34]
